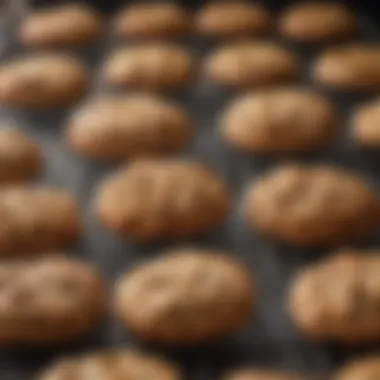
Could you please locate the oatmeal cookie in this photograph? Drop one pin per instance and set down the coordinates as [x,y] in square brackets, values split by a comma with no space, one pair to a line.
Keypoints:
[48,80]
[119,364]
[279,121]
[353,68]
[61,26]
[160,199]
[337,299]
[318,22]
[246,65]
[48,300]
[150,67]
[365,124]
[185,297]
[37,219]
[20,156]
[125,127]
[232,19]
[153,20]
[312,205]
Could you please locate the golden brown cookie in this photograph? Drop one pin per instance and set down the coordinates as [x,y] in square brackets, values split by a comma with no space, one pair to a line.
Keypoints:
[42,81]
[312,205]
[364,369]
[280,121]
[48,300]
[366,124]
[317,22]
[349,68]
[154,67]
[185,297]
[159,199]
[261,374]
[124,127]
[162,20]
[119,364]
[338,298]
[61,26]
[37,219]
[245,65]
[231,19]
[20,157]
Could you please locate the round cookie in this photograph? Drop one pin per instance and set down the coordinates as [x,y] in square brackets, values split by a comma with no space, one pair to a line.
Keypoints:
[261,374]
[317,22]
[245,65]
[364,369]
[312,205]
[60,26]
[119,364]
[20,157]
[185,297]
[365,124]
[349,68]
[231,19]
[337,299]
[48,300]
[280,121]
[37,219]
[155,67]
[162,20]
[42,81]
[124,127]
[159,199]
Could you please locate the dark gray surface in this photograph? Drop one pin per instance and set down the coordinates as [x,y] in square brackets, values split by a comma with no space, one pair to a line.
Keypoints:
[270,339]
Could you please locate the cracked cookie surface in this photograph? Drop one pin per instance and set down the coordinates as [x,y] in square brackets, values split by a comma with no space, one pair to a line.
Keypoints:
[162,199]
[48,300]
[306,205]
[338,299]
[185,297]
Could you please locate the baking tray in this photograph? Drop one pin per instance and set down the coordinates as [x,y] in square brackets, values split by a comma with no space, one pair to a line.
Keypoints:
[271,339]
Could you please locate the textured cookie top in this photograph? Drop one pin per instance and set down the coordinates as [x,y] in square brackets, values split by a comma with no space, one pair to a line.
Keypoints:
[366,124]
[163,19]
[227,19]
[45,298]
[59,26]
[312,205]
[152,199]
[317,21]
[150,66]
[262,374]
[20,156]
[186,296]
[37,219]
[363,369]
[121,127]
[279,121]
[339,298]
[42,81]
[113,365]
[350,67]
[251,64]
